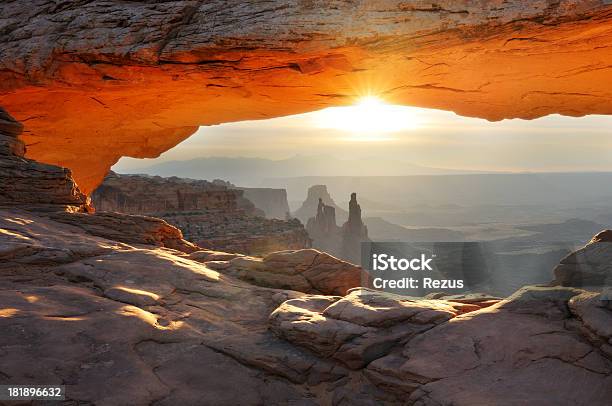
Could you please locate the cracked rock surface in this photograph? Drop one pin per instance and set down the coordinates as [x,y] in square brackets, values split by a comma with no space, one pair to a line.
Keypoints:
[126,323]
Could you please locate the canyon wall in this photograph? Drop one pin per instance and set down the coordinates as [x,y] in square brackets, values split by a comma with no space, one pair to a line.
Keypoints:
[237,232]
[142,194]
[210,214]
[272,203]
[95,81]
[51,192]
[24,182]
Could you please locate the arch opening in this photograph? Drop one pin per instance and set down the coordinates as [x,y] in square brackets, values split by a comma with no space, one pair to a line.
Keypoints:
[425,175]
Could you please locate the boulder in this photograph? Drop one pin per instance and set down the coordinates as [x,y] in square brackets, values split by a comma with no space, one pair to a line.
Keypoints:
[589,267]
[306,270]
[506,351]
[357,328]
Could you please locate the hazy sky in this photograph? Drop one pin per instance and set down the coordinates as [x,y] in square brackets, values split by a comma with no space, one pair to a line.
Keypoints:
[425,137]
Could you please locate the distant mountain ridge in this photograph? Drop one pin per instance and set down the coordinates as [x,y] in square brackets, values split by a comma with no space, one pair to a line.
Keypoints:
[251,171]
[496,189]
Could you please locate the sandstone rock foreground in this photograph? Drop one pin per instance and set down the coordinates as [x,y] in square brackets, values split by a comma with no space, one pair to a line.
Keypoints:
[94,81]
[305,270]
[126,323]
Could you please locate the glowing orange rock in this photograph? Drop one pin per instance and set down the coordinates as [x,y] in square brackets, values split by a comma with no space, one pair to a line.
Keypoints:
[92,83]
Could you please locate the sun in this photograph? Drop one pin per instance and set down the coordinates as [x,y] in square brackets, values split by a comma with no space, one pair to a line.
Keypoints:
[370,116]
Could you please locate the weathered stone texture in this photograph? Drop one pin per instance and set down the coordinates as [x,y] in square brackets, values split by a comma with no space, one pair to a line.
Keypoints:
[125,323]
[305,270]
[131,229]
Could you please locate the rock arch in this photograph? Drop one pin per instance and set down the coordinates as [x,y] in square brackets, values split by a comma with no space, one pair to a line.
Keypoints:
[97,81]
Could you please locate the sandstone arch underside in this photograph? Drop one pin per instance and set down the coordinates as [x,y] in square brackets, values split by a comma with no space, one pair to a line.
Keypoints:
[93,81]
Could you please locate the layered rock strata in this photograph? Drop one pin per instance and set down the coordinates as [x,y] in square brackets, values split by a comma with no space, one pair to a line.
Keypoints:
[210,214]
[51,191]
[144,194]
[272,202]
[24,182]
[127,228]
[238,232]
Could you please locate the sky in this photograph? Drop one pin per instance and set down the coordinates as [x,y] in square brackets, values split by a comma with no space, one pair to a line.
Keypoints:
[426,137]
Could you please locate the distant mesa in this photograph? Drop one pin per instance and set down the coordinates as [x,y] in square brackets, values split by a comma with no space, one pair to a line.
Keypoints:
[271,201]
[311,204]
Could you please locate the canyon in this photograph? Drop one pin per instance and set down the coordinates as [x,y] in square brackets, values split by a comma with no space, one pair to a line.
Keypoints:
[214,215]
[122,309]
